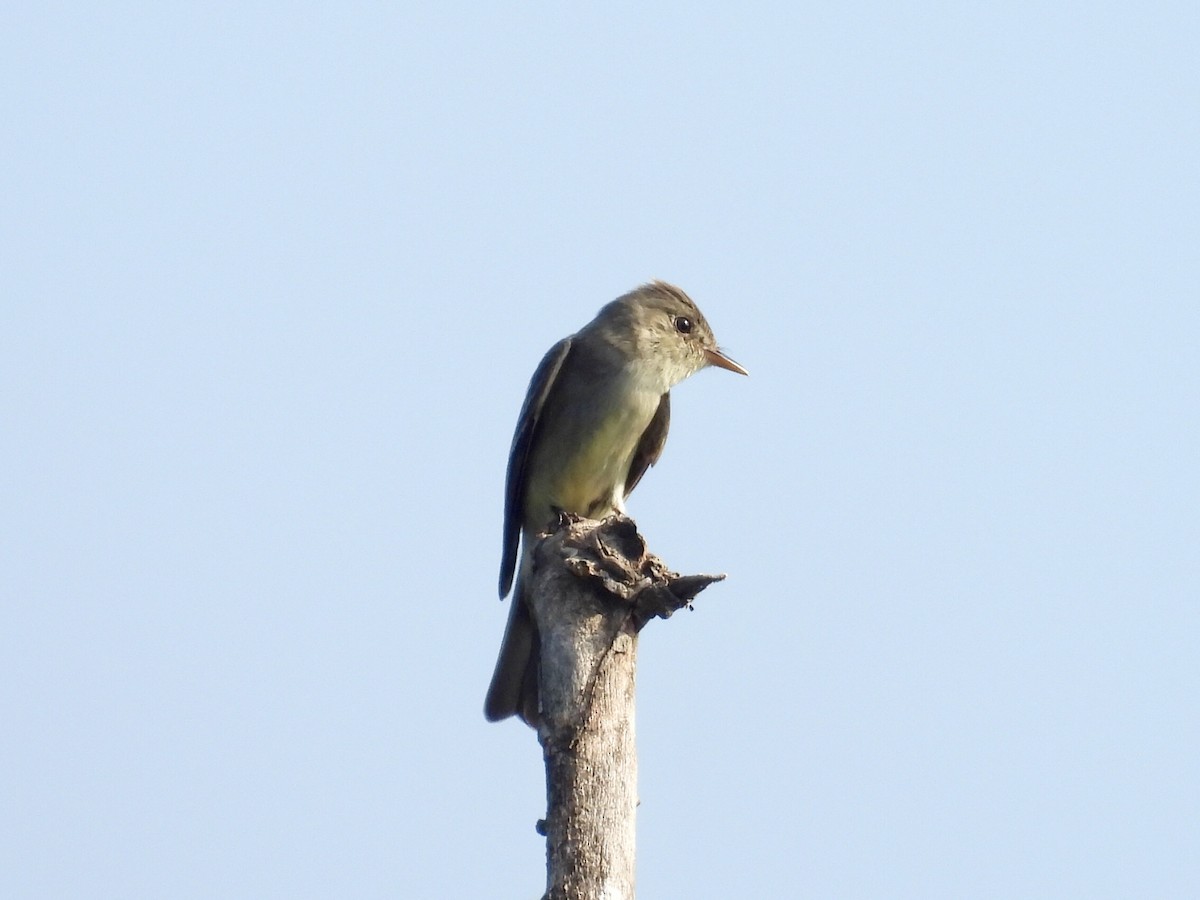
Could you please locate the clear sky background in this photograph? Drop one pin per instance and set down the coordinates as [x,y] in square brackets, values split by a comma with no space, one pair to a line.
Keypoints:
[273,279]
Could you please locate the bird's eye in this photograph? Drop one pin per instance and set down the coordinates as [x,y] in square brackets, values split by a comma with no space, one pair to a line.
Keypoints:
[683,324]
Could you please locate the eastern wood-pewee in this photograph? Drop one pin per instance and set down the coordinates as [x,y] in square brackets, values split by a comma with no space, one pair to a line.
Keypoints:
[594,418]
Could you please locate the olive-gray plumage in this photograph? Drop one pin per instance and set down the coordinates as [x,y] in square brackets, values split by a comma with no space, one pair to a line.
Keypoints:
[595,418]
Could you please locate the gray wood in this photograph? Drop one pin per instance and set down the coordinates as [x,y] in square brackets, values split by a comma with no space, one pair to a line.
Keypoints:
[593,590]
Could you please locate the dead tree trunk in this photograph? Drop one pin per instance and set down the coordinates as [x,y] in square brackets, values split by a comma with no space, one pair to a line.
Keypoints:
[594,587]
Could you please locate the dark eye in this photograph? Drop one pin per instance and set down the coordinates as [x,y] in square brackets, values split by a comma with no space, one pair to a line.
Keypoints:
[683,324]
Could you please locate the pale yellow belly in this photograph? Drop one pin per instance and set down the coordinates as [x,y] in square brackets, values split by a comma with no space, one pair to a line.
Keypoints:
[589,478]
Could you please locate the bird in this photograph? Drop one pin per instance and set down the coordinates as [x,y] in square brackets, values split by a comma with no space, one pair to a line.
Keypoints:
[595,417]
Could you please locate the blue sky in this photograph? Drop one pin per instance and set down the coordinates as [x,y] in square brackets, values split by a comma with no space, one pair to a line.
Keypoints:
[274,278]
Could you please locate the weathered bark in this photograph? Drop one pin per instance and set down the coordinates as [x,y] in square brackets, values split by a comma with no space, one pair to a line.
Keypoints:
[594,588]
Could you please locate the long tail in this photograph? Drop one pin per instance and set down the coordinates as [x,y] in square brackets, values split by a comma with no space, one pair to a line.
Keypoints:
[514,687]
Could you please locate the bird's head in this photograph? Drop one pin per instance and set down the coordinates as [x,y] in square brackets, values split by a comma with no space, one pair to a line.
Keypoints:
[663,334]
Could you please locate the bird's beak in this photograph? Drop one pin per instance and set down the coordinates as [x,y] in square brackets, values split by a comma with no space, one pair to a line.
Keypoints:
[717,358]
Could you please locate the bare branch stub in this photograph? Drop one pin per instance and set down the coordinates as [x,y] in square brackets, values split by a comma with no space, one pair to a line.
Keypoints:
[614,554]
[593,588]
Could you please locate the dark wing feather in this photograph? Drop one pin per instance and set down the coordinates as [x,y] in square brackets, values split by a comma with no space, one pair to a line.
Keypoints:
[650,447]
[514,493]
